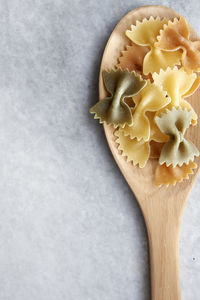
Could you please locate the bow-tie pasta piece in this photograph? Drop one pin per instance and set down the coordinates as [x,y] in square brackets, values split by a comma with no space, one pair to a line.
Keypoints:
[178,83]
[178,150]
[119,84]
[136,151]
[171,175]
[145,34]
[175,36]
[139,151]
[151,98]
[132,58]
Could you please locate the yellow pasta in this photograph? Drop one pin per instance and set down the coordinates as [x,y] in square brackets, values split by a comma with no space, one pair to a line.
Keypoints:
[144,34]
[139,151]
[178,83]
[175,36]
[151,98]
[136,151]
[178,150]
[168,175]
[193,88]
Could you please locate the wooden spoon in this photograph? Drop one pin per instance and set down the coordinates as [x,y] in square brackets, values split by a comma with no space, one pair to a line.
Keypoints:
[162,208]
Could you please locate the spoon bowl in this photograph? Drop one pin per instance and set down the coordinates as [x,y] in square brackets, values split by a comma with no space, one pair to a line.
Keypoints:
[162,207]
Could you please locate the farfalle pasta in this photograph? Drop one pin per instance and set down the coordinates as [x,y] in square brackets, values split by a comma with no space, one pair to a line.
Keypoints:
[151,98]
[175,36]
[136,151]
[120,84]
[178,150]
[177,83]
[171,175]
[132,58]
[145,34]
[149,87]
[139,151]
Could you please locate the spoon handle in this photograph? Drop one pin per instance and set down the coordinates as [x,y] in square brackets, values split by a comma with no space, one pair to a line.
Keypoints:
[163,219]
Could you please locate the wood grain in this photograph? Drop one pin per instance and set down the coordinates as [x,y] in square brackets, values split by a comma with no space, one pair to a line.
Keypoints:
[162,208]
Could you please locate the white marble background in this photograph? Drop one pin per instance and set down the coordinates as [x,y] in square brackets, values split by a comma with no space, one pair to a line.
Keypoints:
[70,228]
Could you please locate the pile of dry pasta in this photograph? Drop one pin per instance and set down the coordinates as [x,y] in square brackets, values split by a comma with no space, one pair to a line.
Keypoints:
[147,104]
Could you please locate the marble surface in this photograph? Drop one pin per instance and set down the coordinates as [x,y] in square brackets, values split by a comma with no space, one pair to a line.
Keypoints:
[70,228]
